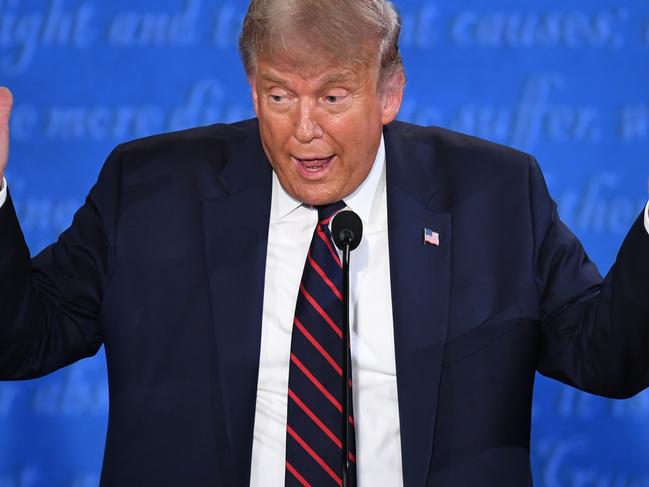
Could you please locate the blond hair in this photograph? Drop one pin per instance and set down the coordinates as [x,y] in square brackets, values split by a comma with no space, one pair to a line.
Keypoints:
[352,31]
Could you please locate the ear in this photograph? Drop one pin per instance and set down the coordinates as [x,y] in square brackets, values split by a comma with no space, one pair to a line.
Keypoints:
[391,96]
[252,81]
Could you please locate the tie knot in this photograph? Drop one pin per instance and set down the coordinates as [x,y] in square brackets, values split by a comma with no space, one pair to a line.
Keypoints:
[325,212]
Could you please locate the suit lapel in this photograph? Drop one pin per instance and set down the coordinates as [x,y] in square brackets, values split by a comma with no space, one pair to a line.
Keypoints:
[420,293]
[236,223]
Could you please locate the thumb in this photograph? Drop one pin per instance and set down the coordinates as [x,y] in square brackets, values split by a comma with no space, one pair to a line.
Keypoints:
[6,103]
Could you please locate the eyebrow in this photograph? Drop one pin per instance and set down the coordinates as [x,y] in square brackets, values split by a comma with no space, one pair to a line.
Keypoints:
[336,78]
[273,79]
[325,80]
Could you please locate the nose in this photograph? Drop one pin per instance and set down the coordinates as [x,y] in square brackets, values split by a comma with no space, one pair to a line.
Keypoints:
[307,126]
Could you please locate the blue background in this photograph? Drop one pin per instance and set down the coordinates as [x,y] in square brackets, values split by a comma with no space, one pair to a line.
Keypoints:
[566,81]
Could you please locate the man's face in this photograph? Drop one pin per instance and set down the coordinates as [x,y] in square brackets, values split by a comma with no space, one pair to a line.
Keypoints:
[321,124]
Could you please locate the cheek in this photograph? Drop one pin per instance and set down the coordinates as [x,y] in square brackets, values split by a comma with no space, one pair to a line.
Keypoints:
[354,138]
[271,134]
[278,127]
[357,151]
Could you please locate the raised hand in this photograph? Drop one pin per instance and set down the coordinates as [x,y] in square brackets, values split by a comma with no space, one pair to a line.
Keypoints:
[6,102]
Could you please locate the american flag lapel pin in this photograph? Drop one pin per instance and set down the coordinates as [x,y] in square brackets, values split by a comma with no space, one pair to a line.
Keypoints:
[430,237]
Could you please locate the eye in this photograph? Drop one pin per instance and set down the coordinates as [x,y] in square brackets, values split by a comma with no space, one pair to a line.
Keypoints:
[335,98]
[276,96]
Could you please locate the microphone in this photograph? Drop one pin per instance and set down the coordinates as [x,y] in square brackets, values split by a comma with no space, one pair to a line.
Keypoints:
[347,229]
[347,232]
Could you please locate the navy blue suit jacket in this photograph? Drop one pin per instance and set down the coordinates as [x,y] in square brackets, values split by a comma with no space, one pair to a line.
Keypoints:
[164,265]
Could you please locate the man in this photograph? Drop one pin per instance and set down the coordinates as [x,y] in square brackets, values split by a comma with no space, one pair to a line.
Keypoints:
[188,263]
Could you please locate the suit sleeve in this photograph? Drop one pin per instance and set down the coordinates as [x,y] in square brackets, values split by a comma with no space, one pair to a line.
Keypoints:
[595,333]
[50,306]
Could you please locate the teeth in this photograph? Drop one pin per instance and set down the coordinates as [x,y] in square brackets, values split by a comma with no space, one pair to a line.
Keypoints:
[313,165]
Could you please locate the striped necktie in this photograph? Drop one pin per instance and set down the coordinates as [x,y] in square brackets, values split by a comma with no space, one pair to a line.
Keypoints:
[314,455]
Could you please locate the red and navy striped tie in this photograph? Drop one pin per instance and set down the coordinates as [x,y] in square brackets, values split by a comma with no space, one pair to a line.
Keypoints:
[314,455]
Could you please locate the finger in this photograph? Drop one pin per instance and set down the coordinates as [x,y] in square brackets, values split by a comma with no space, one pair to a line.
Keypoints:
[6,103]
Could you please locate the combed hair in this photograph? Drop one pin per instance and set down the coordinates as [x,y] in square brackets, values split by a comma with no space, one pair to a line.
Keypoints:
[349,30]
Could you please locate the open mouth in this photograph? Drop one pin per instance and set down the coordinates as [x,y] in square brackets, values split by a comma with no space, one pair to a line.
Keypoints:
[313,166]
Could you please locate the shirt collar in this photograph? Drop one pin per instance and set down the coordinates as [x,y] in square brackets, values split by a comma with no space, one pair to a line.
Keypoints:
[360,201]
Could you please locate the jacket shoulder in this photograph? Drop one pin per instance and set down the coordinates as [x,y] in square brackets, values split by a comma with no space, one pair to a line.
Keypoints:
[459,148]
[190,161]
[460,167]
[209,145]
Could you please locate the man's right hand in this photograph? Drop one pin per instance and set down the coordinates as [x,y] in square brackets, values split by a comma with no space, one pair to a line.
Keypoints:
[6,102]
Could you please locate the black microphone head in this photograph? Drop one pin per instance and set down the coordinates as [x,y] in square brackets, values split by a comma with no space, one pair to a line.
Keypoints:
[347,229]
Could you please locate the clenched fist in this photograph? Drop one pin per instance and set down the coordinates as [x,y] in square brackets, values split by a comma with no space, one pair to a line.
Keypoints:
[6,102]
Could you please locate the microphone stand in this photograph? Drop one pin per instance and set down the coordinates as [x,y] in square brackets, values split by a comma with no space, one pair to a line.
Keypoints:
[346,364]
[347,230]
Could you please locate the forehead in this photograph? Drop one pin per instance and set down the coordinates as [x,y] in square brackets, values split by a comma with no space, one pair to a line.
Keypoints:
[314,69]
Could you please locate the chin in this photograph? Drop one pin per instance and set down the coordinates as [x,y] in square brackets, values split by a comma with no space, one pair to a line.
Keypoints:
[313,201]
[314,195]
[316,199]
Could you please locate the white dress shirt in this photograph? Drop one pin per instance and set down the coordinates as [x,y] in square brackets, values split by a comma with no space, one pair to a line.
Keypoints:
[3,192]
[376,410]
